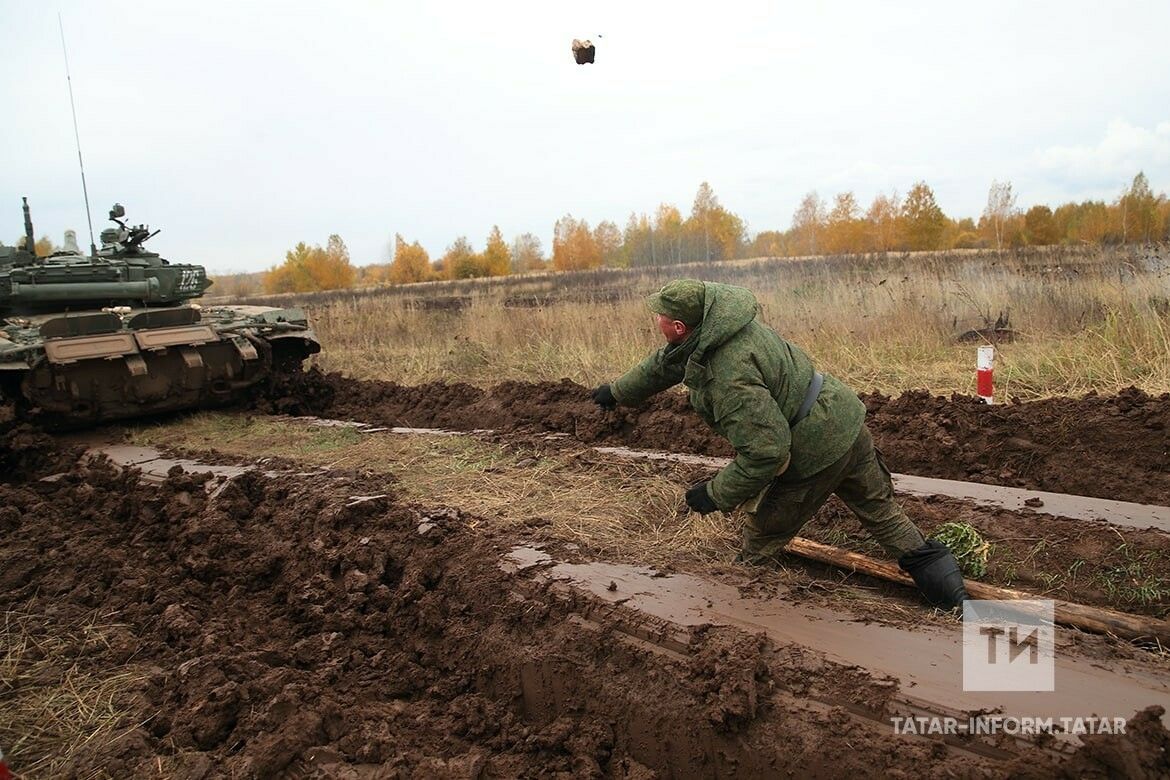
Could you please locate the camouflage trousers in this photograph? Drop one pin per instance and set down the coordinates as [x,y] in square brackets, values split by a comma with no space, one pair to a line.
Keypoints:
[859,478]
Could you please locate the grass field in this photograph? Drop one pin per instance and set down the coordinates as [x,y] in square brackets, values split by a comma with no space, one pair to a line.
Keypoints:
[1091,320]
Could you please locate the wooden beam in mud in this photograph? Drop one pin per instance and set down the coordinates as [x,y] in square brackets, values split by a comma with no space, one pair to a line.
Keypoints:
[1097,620]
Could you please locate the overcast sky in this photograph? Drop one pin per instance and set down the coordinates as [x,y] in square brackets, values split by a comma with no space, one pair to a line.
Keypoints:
[240,128]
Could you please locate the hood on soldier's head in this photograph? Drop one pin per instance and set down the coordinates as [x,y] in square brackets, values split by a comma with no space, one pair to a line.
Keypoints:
[680,300]
[727,310]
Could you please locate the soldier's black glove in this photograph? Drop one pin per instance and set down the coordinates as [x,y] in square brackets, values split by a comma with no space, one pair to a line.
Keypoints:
[603,397]
[936,573]
[699,500]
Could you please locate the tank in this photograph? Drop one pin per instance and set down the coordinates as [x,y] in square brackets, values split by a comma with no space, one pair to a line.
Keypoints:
[117,333]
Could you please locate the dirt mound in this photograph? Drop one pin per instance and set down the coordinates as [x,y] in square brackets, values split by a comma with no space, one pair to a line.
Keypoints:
[1106,446]
[25,450]
[1143,751]
[1110,447]
[667,421]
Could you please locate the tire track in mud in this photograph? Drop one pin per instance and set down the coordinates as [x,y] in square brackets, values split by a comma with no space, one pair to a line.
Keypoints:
[1121,513]
[925,662]
[1103,446]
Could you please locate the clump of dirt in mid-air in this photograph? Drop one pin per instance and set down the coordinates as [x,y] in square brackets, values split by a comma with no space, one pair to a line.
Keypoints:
[1111,447]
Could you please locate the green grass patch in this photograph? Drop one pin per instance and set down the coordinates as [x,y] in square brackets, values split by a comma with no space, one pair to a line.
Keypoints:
[970,548]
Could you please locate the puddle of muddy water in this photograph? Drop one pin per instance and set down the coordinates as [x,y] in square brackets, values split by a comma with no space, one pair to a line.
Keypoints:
[155,466]
[522,558]
[927,661]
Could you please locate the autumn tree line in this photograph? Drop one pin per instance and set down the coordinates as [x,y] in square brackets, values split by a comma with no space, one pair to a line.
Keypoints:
[709,232]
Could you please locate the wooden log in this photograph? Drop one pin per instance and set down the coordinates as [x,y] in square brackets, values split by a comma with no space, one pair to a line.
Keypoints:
[1097,620]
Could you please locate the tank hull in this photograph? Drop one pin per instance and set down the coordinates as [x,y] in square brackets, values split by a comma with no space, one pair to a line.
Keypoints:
[85,368]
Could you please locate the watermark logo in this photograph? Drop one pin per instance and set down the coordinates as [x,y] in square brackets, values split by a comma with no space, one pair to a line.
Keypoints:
[993,725]
[1008,645]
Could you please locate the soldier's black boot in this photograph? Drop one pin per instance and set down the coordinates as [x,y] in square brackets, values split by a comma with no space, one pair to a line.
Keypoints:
[936,573]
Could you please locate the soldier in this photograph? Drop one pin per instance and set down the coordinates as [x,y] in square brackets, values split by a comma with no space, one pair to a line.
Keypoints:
[799,434]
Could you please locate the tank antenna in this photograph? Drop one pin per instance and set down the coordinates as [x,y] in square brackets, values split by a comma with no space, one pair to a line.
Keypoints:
[77,136]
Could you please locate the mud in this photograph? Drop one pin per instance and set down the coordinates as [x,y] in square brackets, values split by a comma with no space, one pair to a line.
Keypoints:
[279,626]
[1144,754]
[1104,446]
[1108,447]
[1083,687]
[1125,514]
[282,628]
[27,450]
[1124,568]
[1119,558]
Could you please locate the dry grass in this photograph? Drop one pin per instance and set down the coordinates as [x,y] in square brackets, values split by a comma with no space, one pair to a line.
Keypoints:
[1099,327]
[623,511]
[52,708]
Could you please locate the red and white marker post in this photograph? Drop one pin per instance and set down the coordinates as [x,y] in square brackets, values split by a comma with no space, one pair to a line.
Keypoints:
[984,365]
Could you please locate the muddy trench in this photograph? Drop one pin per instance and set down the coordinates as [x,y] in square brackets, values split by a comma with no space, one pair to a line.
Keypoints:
[293,625]
[315,625]
[1087,561]
[1104,446]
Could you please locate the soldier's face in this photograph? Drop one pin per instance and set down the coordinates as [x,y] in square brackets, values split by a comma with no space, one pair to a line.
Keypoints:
[674,331]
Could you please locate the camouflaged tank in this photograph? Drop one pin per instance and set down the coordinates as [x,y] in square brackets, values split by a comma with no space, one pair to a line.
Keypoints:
[114,334]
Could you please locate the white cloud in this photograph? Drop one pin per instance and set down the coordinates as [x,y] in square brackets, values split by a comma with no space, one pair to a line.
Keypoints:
[1123,151]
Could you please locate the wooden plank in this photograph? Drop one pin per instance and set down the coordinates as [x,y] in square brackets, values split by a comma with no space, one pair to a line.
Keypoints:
[1097,620]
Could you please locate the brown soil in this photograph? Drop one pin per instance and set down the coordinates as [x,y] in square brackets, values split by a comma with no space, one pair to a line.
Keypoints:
[26,450]
[1110,447]
[1114,756]
[280,627]
[1105,446]
[277,628]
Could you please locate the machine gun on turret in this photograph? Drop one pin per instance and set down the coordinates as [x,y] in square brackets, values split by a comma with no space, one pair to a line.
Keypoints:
[124,239]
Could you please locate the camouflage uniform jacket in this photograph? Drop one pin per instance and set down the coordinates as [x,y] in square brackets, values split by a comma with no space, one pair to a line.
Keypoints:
[747,382]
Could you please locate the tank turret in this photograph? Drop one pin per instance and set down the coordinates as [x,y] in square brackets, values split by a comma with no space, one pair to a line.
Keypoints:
[122,273]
